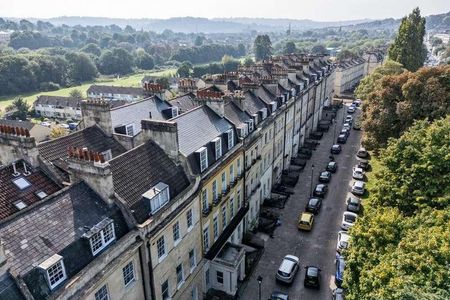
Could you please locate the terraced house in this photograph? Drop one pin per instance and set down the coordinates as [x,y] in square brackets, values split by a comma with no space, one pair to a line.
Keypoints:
[151,199]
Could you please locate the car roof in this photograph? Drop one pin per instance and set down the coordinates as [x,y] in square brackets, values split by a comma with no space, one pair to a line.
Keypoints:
[359,183]
[291,257]
[320,186]
[313,200]
[312,271]
[344,236]
[349,213]
[342,135]
[306,216]
[358,169]
[287,263]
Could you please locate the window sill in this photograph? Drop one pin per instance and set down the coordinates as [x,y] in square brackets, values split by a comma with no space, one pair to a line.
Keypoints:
[175,243]
[130,284]
[192,269]
[190,228]
[160,259]
[180,284]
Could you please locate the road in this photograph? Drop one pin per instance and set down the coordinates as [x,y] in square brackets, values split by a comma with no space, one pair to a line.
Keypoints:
[318,246]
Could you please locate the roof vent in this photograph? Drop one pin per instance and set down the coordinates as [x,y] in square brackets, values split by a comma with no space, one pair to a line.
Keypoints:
[25,170]
[20,205]
[15,174]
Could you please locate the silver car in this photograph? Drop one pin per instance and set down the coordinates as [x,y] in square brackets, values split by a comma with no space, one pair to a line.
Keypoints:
[358,187]
[288,269]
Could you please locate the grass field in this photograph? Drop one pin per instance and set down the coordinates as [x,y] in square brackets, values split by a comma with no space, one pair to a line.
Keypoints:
[132,80]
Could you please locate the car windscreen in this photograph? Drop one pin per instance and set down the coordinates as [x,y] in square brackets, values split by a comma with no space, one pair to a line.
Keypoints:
[350,218]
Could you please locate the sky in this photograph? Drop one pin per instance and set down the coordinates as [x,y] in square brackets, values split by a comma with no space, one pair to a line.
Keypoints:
[318,10]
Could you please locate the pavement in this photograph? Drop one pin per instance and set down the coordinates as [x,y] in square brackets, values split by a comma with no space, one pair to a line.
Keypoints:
[318,247]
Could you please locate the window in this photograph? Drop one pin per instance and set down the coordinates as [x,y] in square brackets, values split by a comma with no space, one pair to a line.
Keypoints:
[250,125]
[21,183]
[54,267]
[174,111]
[224,217]
[207,278]
[176,232]
[206,238]
[219,277]
[128,273]
[161,247]
[214,190]
[231,173]
[102,238]
[230,138]
[192,259]
[203,156]
[239,166]
[215,228]
[165,290]
[102,293]
[194,293]
[205,203]
[224,182]
[231,207]
[218,147]
[180,275]
[158,195]
[264,113]
[130,130]
[189,220]
[239,198]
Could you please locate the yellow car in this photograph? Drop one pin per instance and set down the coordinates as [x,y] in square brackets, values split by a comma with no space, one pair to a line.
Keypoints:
[305,221]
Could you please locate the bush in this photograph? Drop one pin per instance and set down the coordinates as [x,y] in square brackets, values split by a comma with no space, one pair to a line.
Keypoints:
[49,86]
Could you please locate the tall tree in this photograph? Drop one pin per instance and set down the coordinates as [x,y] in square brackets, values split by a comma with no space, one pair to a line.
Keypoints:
[408,48]
[289,47]
[262,47]
[81,68]
[21,107]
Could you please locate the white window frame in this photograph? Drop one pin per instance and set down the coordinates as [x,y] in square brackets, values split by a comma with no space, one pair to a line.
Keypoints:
[176,231]
[250,125]
[192,260]
[231,173]
[189,219]
[59,265]
[159,196]
[129,129]
[167,290]
[174,111]
[215,228]
[103,297]
[127,275]
[214,190]
[230,138]
[224,217]
[161,254]
[179,282]
[203,158]
[231,207]
[217,147]
[103,235]
[224,181]
[264,113]
[206,238]
[205,202]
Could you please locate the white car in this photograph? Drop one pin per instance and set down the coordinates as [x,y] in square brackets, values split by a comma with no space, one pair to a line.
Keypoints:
[348,220]
[358,173]
[351,109]
[288,268]
[342,243]
[348,119]
[358,187]
[346,126]
[46,124]
[65,126]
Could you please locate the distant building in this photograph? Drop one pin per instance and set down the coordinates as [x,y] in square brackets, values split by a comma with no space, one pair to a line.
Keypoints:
[348,75]
[58,107]
[107,92]
[39,132]
[374,59]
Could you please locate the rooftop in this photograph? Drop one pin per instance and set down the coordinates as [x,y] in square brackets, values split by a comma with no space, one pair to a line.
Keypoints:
[109,89]
[59,101]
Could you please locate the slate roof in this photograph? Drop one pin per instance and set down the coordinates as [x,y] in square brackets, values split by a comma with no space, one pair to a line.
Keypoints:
[10,193]
[17,123]
[138,170]
[185,102]
[56,226]
[92,137]
[9,289]
[236,115]
[252,104]
[109,89]
[265,95]
[198,127]
[59,101]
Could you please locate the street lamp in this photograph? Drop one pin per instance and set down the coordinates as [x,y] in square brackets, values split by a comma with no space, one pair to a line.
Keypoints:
[259,279]
[312,176]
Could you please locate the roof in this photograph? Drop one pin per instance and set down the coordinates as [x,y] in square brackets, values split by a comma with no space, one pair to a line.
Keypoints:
[138,170]
[17,123]
[252,104]
[185,102]
[198,127]
[109,89]
[236,115]
[9,289]
[59,101]
[55,226]
[10,193]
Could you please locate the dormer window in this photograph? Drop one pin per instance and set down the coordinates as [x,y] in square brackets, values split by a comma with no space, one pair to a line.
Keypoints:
[174,111]
[101,235]
[158,195]
[264,113]
[230,138]
[203,158]
[250,125]
[54,270]
[217,147]
[130,129]
[243,131]
[274,106]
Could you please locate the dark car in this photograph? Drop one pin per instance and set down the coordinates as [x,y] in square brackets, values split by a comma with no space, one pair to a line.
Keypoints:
[336,149]
[340,266]
[332,167]
[279,296]
[320,190]
[314,205]
[353,204]
[325,176]
[363,164]
[345,131]
[312,277]
[342,139]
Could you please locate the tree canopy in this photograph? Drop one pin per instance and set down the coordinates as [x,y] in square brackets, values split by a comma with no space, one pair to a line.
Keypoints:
[408,48]
[400,247]
[262,47]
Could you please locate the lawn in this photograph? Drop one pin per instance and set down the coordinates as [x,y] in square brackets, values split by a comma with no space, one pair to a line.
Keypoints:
[131,80]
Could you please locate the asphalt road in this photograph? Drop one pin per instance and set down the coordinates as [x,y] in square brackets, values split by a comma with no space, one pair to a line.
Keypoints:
[317,247]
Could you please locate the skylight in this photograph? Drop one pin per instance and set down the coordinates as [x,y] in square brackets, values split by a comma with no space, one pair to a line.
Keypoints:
[20,205]
[41,194]
[21,183]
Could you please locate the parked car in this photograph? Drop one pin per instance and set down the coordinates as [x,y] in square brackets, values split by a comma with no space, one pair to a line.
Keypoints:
[73,125]
[312,277]
[336,149]
[338,294]
[342,242]
[305,221]
[288,269]
[351,109]
[342,139]
[276,295]
[325,176]
[314,205]
[348,220]
[347,126]
[345,131]
[358,187]
[65,126]
[353,204]
[46,124]
[348,119]
[320,190]
[332,167]
[363,164]
[340,266]
[358,173]
[357,102]
[362,153]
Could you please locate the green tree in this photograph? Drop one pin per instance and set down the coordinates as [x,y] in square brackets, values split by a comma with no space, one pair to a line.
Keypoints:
[76,93]
[248,61]
[92,49]
[116,61]
[184,70]
[80,67]
[408,48]
[229,63]
[289,47]
[262,47]
[199,40]
[144,60]
[22,108]
[319,49]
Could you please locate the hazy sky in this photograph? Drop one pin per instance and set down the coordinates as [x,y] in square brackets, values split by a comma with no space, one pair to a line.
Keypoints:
[320,10]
